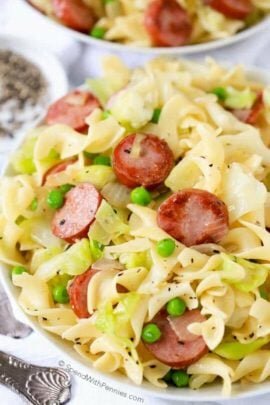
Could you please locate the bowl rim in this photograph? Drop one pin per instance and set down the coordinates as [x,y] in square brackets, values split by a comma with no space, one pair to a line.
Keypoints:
[206,393]
[158,51]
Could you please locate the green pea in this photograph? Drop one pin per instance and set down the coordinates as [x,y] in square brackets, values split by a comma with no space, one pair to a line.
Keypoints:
[34,204]
[156,115]
[65,188]
[151,333]
[220,92]
[55,199]
[60,294]
[168,377]
[180,378]
[176,307]
[102,160]
[263,293]
[166,247]
[89,155]
[17,270]
[98,32]
[140,196]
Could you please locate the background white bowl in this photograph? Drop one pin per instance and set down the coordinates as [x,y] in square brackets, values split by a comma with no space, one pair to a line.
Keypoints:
[49,66]
[207,393]
[114,47]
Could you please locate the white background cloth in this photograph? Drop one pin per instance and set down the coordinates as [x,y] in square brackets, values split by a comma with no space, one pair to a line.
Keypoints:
[80,62]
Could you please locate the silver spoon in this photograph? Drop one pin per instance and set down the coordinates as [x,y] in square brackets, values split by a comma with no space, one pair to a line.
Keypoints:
[36,385]
[9,326]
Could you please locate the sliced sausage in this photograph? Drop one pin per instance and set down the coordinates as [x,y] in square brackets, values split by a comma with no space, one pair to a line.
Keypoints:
[148,167]
[60,167]
[167,23]
[177,347]
[72,221]
[250,115]
[72,110]
[74,14]
[194,217]
[77,292]
[238,9]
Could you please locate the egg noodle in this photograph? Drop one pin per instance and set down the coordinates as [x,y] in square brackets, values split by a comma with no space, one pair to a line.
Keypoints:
[123,20]
[214,151]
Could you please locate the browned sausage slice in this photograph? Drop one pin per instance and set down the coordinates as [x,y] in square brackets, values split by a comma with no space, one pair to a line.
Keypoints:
[238,9]
[167,23]
[74,14]
[194,217]
[72,221]
[60,167]
[177,347]
[77,292]
[148,167]
[72,110]
[250,115]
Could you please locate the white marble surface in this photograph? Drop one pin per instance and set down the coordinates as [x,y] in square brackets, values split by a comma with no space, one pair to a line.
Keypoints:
[81,62]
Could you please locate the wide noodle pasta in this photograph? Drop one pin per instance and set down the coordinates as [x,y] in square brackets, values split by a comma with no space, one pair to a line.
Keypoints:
[213,151]
[123,21]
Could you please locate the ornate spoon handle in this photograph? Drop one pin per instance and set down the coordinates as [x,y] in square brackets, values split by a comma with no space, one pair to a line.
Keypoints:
[9,325]
[37,385]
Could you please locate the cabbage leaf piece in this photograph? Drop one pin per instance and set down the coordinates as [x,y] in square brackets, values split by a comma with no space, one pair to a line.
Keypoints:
[245,275]
[237,350]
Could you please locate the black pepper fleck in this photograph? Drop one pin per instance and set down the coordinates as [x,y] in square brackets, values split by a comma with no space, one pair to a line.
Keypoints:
[23,92]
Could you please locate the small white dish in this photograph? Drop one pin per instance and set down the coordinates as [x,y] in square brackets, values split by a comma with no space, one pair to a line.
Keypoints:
[51,69]
[66,352]
[118,48]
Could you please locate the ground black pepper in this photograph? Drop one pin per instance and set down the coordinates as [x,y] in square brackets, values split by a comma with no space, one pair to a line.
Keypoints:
[22,93]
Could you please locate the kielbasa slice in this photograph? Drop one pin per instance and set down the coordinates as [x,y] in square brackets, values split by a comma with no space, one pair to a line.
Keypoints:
[74,14]
[167,23]
[60,167]
[236,9]
[250,115]
[77,292]
[72,110]
[72,221]
[177,347]
[194,217]
[148,167]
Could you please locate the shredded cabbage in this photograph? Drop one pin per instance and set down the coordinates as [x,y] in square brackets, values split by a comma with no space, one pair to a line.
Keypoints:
[39,231]
[101,88]
[239,99]
[134,106]
[237,350]
[110,221]
[139,259]
[245,275]
[74,261]
[22,159]
[116,194]
[98,175]
[96,249]
[112,320]
[97,233]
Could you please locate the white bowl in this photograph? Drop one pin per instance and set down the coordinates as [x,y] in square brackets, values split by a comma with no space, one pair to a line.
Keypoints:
[207,393]
[51,69]
[180,50]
